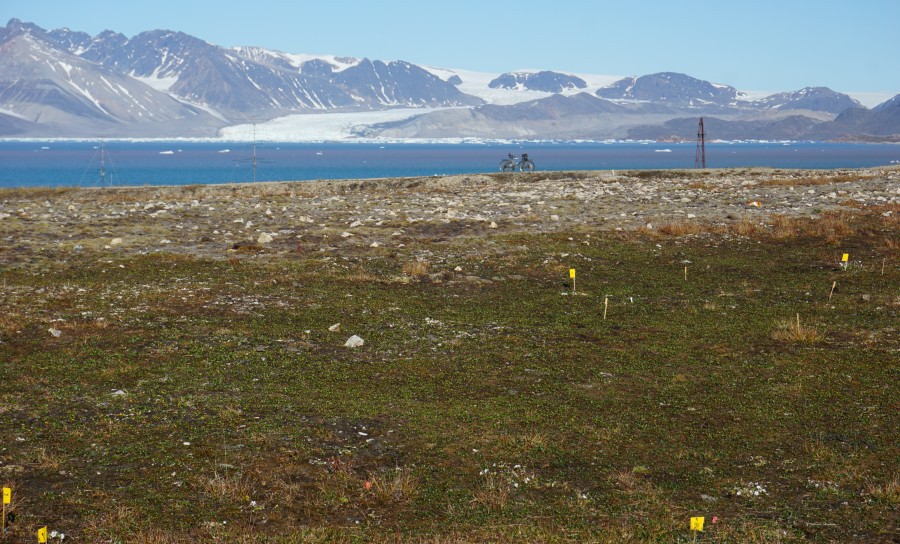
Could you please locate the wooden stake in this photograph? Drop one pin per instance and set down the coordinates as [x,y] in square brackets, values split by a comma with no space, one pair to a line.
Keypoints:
[685,272]
[833,285]
[798,323]
[605,306]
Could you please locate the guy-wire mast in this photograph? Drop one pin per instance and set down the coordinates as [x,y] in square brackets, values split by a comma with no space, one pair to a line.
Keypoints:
[700,157]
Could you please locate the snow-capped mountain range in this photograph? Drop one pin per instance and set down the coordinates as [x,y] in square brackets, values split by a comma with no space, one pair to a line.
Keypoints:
[64,83]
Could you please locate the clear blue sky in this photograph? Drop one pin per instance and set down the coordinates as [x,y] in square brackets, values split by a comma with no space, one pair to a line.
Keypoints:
[753,45]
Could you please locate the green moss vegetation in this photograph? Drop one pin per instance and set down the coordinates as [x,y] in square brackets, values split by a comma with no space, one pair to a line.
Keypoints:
[191,399]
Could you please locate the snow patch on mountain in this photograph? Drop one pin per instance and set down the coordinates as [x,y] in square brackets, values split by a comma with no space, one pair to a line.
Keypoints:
[13,114]
[477,84]
[154,81]
[296,60]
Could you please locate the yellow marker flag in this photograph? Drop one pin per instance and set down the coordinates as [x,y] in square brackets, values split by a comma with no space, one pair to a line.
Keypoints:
[572,273]
[697,523]
[7,495]
[42,535]
[845,257]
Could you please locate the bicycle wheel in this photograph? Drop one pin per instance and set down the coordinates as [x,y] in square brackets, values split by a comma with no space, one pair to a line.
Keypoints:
[526,166]
[507,164]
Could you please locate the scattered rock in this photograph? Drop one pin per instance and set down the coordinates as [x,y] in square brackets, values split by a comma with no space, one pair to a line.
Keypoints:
[55,332]
[354,342]
[264,238]
[335,328]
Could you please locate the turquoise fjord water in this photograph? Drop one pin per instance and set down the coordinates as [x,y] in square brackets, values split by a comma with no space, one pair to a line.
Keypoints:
[30,163]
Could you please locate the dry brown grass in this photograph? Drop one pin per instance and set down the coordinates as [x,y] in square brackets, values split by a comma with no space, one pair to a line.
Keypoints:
[792,330]
[113,196]
[494,492]
[416,269]
[361,277]
[702,185]
[10,323]
[394,486]
[784,227]
[525,441]
[533,440]
[831,226]
[745,227]
[47,460]
[682,228]
[119,522]
[34,192]
[814,180]
[227,485]
[888,492]
[627,479]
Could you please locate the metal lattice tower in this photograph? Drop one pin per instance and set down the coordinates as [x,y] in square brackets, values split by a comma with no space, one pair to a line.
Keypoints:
[102,168]
[700,157]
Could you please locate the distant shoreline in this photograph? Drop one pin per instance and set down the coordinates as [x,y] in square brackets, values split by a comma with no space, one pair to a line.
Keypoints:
[165,162]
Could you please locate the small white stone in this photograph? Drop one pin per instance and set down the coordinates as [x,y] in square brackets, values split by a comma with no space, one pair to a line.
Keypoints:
[354,342]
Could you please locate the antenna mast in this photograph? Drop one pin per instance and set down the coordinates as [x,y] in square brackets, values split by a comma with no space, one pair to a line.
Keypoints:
[700,157]
[102,169]
[254,152]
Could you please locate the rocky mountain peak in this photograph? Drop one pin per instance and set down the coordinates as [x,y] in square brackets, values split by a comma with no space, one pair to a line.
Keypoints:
[546,81]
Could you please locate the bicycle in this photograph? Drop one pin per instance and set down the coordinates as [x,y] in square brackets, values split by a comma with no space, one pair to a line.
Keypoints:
[510,163]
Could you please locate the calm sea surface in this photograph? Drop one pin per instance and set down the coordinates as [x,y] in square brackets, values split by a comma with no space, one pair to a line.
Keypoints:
[71,163]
